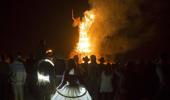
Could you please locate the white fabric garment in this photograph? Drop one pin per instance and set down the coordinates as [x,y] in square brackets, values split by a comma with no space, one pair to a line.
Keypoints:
[106,83]
[71,93]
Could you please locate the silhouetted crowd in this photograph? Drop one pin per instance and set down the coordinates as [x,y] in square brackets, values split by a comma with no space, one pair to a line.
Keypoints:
[137,79]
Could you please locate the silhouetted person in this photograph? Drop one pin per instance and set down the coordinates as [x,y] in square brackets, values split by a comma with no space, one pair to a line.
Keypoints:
[101,64]
[41,50]
[163,71]
[93,76]
[18,77]
[106,83]
[31,73]
[60,66]
[84,66]
[118,80]
[4,77]
[76,59]
[78,67]
[70,88]
[129,81]
[147,81]
[45,78]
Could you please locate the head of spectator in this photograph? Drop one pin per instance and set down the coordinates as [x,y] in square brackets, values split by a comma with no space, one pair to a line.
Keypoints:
[18,57]
[71,64]
[93,58]
[86,59]
[102,60]
[76,58]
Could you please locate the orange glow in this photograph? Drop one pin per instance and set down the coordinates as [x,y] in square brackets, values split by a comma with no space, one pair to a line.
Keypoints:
[49,51]
[84,46]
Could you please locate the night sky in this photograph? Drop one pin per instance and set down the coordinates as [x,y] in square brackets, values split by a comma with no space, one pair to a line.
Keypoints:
[25,22]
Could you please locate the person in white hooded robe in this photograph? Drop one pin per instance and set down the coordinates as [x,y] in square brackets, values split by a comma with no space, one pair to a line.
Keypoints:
[70,88]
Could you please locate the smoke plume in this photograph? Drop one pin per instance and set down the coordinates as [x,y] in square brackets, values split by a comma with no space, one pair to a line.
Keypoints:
[122,25]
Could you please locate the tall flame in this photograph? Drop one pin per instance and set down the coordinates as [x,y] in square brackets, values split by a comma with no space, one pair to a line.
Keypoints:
[84,45]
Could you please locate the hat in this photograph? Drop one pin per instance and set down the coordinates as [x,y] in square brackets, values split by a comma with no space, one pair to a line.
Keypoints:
[86,59]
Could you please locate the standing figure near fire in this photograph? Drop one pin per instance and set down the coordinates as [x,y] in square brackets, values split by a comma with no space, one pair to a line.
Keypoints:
[85,73]
[45,76]
[41,50]
[106,83]
[18,77]
[70,88]
[93,76]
